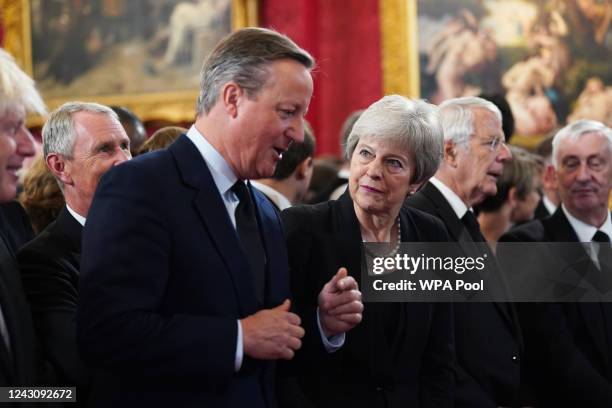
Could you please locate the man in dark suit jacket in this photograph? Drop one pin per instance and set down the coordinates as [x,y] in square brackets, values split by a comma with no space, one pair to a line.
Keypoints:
[184,286]
[81,141]
[18,364]
[487,336]
[569,345]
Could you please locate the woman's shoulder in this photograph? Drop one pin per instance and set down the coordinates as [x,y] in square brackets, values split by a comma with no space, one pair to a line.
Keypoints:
[309,215]
[430,226]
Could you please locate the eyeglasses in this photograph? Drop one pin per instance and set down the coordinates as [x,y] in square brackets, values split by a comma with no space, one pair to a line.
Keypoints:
[495,144]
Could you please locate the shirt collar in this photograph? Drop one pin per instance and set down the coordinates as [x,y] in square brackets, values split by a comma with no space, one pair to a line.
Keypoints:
[549,205]
[453,199]
[275,196]
[586,231]
[221,172]
[76,216]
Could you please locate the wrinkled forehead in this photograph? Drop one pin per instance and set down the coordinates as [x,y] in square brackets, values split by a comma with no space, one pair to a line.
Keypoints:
[487,122]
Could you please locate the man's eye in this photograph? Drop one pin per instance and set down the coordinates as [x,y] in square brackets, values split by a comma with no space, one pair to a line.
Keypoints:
[287,113]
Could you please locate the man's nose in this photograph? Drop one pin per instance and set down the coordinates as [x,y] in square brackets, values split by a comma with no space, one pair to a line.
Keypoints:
[122,156]
[583,172]
[297,133]
[504,153]
[26,146]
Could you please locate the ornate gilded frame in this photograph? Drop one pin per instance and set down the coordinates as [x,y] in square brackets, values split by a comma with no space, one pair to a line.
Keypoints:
[172,106]
[400,54]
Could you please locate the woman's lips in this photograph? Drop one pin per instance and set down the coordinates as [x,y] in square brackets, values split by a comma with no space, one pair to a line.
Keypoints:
[370,189]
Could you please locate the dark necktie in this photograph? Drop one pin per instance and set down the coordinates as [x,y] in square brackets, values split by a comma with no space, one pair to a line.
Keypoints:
[248,232]
[605,251]
[604,257]
[471,224]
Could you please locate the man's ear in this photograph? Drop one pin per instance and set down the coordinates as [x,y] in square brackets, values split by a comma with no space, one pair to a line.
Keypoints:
[550,177]
[58,165]
[512,197]
[450,153]
[230,96]
[303,168]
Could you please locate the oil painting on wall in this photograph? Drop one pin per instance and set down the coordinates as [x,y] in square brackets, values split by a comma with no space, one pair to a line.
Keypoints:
[142,54]
[550,58]
[100,47]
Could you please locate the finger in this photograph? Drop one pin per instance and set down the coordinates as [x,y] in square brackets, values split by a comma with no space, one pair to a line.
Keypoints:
[347,283]
[341,274]
[284,307]
[333,300]
[286,353]
[296,331]
[331,286]
[294,343]
[347,308]
[292,318]
[350,318]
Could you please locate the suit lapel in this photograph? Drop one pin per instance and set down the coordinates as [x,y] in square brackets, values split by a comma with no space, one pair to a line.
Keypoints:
[213,213]
[559,229]
[460,234]
[455,227]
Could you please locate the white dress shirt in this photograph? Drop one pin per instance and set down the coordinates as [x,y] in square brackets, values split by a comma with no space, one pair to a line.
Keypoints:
[585,233]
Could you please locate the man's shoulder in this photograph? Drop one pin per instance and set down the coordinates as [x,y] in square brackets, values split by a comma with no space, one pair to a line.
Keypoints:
[532,231]
[429,225]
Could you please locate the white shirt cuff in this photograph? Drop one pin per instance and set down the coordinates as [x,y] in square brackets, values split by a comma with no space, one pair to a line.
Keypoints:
[239,351]
[333,343]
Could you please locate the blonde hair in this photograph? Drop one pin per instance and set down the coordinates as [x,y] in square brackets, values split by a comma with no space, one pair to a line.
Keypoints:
[17,88]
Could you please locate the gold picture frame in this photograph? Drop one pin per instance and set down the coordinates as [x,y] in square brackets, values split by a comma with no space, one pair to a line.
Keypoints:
[174,106]
[400,58]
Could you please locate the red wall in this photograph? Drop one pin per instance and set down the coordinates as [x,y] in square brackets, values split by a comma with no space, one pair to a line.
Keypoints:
[344,37]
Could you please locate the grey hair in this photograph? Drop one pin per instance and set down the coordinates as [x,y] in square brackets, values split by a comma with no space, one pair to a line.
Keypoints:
[17,88]
[243,57]
[457,116]
[413,125]
[59,133]
[574,131]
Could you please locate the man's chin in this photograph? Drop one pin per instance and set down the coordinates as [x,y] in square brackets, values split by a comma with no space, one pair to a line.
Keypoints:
[7,192]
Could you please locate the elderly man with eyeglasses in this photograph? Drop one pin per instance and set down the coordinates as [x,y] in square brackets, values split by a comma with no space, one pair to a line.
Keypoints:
[487,336]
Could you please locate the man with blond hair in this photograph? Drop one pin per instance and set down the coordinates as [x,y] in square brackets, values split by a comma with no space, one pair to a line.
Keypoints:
[17,343]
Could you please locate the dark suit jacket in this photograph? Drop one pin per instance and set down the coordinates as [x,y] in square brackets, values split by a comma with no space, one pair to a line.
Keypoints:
[541,211]
[488,341]
[15,225]
[163,282]
[401,353]
[20,366]
[568,349]
[50,272]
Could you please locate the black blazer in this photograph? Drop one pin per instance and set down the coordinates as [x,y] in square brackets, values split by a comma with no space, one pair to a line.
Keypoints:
[488,341]
[401,353]
[163,282]
[568,345]
[541,211]
[20,366]
[50,267]
[15,225]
